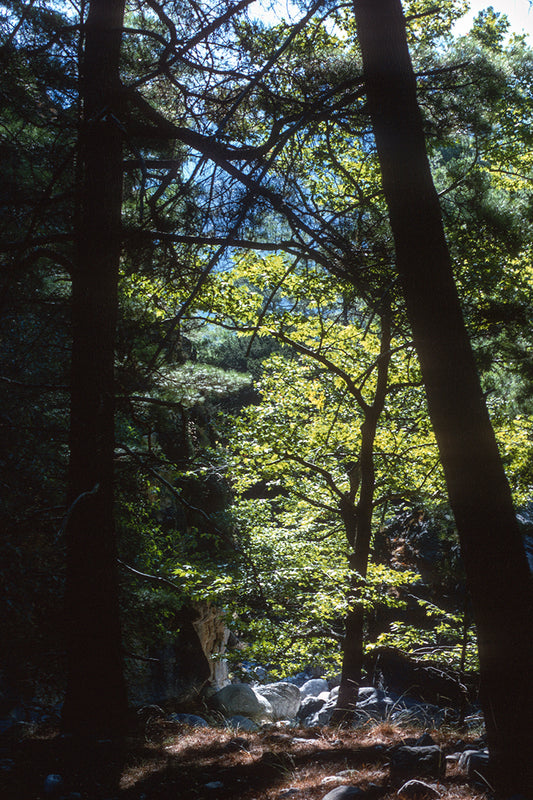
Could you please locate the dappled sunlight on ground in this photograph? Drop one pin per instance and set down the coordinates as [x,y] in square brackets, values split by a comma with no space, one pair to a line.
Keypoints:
[178,763]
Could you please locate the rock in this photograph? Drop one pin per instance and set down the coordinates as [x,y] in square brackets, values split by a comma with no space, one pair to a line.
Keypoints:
[417,790]
[374,702]
[322,716]
[192,720]
[344,793]
[302,677]
[179,670]
[213,634]
[242,723]
[407,761]
[475,763]
[309,707]
[284,699]
[424,681]
[53,786]
[425,740]
[241,700]
[314,687]
[417,713]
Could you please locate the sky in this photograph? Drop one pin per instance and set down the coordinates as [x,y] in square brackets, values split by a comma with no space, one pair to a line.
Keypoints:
[519,13]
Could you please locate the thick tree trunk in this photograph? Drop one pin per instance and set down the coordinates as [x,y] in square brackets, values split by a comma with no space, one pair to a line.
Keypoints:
[492,549]
[96,696]
[358,525]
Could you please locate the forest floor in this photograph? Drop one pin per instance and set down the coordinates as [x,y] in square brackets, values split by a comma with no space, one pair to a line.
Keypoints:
[162,762]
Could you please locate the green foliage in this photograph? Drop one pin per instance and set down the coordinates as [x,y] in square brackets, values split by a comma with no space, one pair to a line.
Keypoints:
[241,506]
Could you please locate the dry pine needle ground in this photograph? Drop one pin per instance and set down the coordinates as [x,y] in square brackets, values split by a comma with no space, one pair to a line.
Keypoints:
[171,762]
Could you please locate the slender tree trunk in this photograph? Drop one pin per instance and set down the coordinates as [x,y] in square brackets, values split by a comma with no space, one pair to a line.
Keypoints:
[492,549]
[96,701]
[358,525]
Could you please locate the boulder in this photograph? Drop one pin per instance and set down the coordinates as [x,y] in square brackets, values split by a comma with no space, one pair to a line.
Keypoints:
[409,761]
[424,714]
[322,716]
[475,763]
[178,670]
[344,793]
[309,707]
[374,702]
[423,681]
[314,687]
[241,723]
[283,697]
[240,699]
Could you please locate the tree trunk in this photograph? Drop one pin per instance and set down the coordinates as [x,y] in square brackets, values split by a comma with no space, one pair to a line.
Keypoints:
[96,701]
[358,525]
[492,549]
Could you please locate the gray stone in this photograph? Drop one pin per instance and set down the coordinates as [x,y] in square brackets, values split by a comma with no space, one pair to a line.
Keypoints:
[310,706]
[375,703]
[53,786]
[242,723]
[314,687]
[408,711]
[475,763]
[407,762]
[241,700]
[417,790]
[192,720]
[322,716]
[344,793]
[284,699]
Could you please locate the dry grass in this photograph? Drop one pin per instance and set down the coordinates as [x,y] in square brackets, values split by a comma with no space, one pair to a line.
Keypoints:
[177,763]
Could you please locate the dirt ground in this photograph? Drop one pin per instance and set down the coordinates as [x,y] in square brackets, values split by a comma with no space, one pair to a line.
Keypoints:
[165,761]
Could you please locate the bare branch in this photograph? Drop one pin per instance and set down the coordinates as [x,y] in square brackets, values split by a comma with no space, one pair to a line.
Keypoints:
[328,477]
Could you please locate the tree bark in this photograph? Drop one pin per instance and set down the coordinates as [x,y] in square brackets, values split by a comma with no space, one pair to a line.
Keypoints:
[492,549]
[96,702]
[358,526]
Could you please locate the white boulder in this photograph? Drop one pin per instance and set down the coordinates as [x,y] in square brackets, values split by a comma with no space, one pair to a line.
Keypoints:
[314,687]
[239,699]
[284,698]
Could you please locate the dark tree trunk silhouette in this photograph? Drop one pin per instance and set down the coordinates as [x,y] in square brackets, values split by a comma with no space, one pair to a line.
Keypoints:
[492,549]
[357,520]
[96,701]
